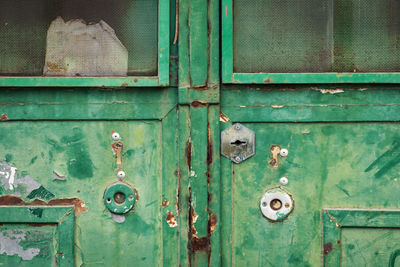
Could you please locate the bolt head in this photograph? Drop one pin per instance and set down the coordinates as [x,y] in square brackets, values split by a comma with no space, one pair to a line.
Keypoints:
[237,158]
[284,181]
[237,127]
[284,152]
[121,174]
[115,136]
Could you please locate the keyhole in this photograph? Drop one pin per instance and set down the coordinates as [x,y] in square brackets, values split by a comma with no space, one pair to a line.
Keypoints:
[238,143]
[119,197]
[275,204]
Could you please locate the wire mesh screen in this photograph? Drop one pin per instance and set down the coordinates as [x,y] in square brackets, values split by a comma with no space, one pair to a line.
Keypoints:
[316,36]
[78,37]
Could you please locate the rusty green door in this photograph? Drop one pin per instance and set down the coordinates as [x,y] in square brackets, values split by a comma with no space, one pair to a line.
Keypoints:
[112,120]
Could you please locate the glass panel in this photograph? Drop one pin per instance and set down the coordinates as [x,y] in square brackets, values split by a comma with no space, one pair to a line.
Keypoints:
[281,36]
[367,36]
[98,38]
[316,36]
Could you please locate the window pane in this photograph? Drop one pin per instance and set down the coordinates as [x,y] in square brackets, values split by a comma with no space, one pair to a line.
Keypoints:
[282,36]
[316,36]
[24,26]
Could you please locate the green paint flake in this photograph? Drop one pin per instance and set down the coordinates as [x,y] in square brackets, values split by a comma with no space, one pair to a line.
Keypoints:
[41,193]
[37,212]
[9,157]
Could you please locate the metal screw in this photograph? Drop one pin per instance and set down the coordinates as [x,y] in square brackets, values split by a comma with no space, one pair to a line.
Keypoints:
[284,181]
[237,158]
[237,127]
[115,136]
[284,152]
[121,174]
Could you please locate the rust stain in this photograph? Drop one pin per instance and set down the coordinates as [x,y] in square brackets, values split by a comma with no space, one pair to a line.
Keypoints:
[178,192]
[275,149]
[79,204]
[165,203]
[197,104]
[3,117]
[189,154]
[212,223]
[54,67]
[13,200]
[268,80]
[195,216]
[209,145]
[40,224]
[198,244]
[171,220]
[328,248]
[223,117]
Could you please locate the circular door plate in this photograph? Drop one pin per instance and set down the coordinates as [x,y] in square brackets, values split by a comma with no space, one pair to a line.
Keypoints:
[119,198]
[276,204]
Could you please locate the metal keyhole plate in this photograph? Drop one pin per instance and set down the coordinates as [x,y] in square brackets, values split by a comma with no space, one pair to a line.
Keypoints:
[119,197]
[237,143]
[276,204]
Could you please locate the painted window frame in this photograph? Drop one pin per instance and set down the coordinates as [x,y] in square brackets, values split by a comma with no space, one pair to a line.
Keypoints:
[334,220]
[230,77]
[162,78]
[62,216]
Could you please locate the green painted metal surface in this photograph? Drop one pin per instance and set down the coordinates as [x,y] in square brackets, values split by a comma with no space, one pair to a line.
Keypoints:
[191,79]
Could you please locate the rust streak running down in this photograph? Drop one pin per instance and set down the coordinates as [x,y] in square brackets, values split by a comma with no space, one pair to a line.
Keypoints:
[328,248]
[189,154]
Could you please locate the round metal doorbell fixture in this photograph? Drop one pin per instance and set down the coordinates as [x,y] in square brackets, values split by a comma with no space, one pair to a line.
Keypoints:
[284,152]
[119,197]
[276,204]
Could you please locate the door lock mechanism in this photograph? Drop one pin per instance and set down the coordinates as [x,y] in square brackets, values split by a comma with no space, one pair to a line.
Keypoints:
[237,143]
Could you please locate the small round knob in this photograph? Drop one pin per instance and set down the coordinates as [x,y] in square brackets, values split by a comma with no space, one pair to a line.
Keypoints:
[115,136]
[284,152]
[284,181]
[121,174]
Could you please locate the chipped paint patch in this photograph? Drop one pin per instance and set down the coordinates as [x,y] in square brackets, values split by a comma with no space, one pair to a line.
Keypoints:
[165,203]
[277,106]
[331,91]
[57,176]
[10,244]
[171,220]
[212,223]
[223,117]
[15,185]
[195,216]
[3,117]
[118,218]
